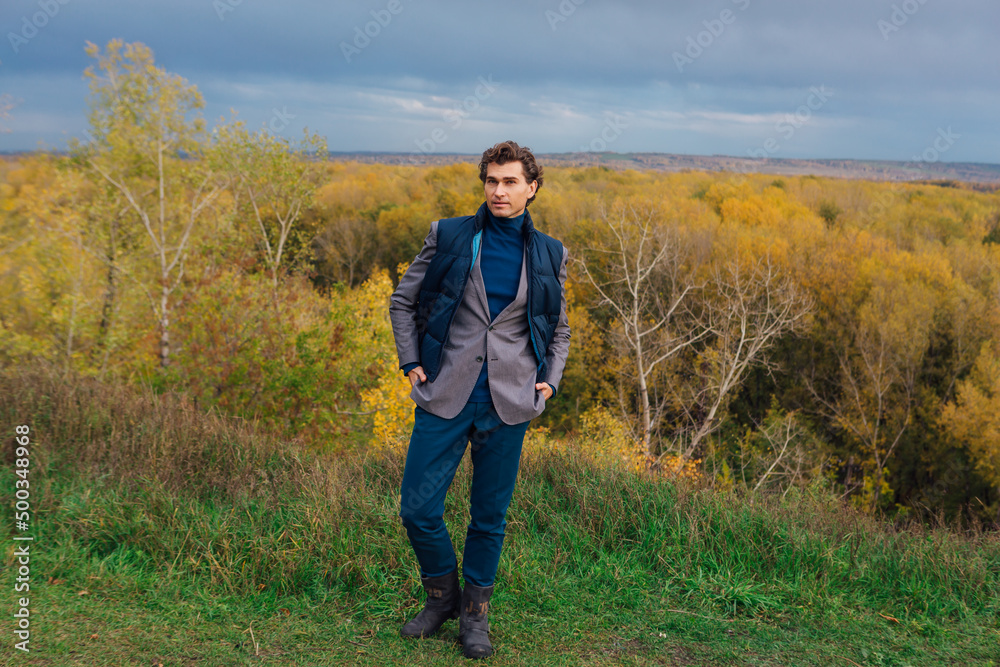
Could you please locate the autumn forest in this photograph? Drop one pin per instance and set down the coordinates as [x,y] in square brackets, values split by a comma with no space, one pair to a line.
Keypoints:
[747,331]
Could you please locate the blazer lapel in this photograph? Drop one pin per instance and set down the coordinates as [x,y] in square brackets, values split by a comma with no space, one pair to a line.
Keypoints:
[476,276]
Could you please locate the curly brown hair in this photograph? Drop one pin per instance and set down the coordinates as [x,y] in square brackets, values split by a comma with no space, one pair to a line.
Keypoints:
[510,151]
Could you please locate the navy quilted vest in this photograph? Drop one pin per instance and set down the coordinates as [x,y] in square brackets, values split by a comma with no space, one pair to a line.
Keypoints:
[448,273]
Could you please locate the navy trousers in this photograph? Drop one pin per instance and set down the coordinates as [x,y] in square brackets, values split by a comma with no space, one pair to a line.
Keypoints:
[436,448]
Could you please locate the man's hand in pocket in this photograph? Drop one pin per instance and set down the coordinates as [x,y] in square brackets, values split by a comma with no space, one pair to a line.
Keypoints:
[417,375]
[542,387]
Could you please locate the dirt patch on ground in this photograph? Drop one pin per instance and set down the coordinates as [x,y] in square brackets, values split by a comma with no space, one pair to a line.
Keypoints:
[659,653]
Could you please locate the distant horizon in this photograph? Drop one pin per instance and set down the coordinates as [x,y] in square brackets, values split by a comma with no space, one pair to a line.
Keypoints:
[977,174]
[705,155]
[65,151]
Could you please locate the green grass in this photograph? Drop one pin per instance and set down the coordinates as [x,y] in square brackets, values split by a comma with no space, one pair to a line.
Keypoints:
[167,536]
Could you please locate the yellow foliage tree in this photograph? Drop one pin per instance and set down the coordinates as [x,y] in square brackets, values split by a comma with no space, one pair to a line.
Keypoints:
[973,418]
[391,408]
[389,400]
[145,146]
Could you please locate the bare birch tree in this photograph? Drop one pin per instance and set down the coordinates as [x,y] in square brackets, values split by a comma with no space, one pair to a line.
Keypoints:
[645,274]
[712,329]
[752,305]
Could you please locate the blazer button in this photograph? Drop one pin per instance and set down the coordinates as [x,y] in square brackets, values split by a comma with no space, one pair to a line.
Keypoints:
[479,358]
[491,328]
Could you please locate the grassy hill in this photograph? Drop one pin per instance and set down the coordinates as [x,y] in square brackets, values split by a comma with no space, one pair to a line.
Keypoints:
[167,536]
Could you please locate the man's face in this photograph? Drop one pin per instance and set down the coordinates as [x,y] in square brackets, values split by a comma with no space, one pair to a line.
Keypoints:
[507,191]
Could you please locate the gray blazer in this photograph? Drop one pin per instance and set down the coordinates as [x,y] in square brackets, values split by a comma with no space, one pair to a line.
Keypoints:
[504,344]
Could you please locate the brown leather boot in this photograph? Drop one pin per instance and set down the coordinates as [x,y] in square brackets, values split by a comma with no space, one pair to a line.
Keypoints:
[444,597]
[474,623]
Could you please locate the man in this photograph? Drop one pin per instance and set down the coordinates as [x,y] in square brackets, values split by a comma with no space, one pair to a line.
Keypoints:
[481,331]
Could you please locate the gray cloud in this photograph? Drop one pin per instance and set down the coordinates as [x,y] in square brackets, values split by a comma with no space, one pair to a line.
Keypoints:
[715,77]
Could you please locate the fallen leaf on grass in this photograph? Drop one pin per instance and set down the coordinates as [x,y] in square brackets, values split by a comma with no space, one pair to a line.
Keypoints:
[84,593]
[56,582]
[888,618]
[285,611]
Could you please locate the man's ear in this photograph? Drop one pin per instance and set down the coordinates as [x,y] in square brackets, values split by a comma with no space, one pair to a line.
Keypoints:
[534,189]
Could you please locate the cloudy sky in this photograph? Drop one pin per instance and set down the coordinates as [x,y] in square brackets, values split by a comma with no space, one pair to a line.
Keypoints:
[863,79]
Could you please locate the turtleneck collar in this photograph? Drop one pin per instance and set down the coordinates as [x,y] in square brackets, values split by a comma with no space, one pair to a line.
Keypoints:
[511,224]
